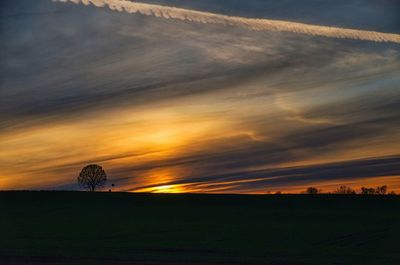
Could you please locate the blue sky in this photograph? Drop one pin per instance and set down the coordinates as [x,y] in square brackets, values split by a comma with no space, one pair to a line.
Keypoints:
[180,106]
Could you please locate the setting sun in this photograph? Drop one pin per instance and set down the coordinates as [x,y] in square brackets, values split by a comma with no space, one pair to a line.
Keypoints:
[199,132]
[164,189]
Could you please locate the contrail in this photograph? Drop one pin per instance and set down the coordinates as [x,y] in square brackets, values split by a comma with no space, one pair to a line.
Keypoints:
[247,23]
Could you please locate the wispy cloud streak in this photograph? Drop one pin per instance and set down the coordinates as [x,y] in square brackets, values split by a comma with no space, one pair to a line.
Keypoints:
[248,23]
[290,177]
[167,105]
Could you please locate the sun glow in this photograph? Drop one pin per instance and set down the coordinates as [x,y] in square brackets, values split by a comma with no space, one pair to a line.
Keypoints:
[124,137]
[164,189]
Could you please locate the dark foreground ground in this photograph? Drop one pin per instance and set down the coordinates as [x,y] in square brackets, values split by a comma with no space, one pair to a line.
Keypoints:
[121,228]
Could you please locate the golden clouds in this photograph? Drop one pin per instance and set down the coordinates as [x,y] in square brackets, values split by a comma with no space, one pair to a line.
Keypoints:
[190,107]
[120,138]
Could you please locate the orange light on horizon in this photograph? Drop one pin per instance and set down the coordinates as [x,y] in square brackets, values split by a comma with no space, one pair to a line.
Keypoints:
[164,189]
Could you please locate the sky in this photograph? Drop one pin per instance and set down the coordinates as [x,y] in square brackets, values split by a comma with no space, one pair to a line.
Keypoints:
[210,96]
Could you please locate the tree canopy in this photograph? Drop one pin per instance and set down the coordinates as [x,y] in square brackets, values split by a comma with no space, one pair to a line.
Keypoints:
[92,177]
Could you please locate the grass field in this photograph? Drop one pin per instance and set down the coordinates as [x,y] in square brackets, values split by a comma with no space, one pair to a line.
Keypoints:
[124,228]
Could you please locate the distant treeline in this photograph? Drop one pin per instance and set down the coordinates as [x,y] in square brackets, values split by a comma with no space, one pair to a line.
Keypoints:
[380,190]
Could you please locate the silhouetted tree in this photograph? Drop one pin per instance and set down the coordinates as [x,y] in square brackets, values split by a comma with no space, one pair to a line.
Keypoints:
[381,190]
[392,193]
[344,190]
[367,191]
[312,190]
[92,177]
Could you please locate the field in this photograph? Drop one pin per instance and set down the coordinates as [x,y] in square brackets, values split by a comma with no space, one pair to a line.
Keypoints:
[124,228]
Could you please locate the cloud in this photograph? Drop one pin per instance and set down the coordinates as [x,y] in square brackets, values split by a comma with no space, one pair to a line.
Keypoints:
[287,178]
[158,101]
[248,23]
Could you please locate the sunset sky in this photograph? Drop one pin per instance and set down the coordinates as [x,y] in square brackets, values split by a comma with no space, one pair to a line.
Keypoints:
[172,100]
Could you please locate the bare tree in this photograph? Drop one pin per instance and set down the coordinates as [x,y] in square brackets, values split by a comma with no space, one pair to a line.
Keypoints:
[92,177]
[344,190]
[381,190]
[312,190]
[367,191]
